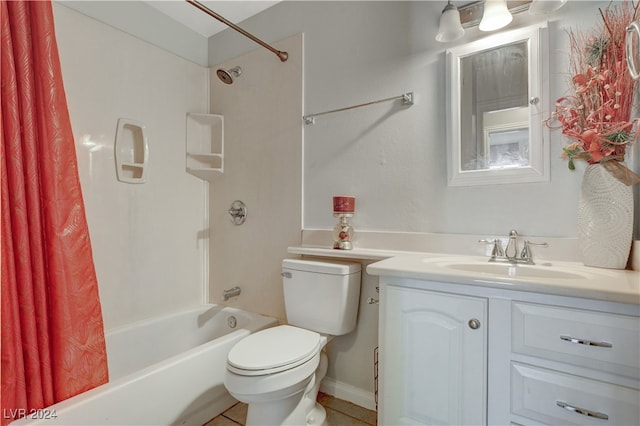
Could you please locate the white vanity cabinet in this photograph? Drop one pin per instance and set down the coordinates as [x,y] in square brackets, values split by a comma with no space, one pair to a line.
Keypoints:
[433,361]
[467,354]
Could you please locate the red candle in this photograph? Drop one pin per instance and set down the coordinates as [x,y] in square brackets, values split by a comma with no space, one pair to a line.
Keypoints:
[344,204]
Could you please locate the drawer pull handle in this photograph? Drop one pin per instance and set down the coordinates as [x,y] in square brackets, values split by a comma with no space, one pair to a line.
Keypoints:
[583,411]
[586,342]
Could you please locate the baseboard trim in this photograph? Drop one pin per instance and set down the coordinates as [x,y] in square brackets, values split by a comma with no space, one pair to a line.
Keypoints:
[348,393]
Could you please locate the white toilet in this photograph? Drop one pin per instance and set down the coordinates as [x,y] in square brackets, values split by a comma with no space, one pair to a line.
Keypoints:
[278,371]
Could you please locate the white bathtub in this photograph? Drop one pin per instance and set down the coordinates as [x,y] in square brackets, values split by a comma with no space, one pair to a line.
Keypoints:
[164,371]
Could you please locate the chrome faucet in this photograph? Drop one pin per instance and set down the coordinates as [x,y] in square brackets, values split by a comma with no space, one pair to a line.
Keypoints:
[511,253]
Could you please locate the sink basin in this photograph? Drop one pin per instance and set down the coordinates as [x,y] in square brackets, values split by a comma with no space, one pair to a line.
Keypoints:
[514,271]
[471,265]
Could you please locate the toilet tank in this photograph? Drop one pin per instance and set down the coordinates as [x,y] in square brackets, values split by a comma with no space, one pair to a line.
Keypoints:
[321,296]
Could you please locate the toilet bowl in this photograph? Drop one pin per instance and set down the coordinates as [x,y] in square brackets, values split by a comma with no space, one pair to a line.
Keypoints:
[278,371]
[272,370]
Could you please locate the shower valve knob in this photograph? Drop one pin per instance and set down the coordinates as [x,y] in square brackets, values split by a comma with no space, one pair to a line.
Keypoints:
[238,212]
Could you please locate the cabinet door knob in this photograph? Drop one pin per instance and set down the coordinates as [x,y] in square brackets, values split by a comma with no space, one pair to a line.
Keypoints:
[474,324]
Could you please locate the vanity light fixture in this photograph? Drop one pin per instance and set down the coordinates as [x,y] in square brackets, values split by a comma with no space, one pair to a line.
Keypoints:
[483,14]
[495,16]
[450,28]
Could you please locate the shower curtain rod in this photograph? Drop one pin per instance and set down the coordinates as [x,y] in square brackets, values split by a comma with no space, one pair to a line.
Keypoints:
[282,55]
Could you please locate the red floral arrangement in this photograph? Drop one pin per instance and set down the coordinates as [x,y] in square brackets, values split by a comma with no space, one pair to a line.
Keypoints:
[597,115]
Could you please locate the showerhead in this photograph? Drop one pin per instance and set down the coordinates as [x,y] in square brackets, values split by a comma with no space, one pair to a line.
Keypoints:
[226,76]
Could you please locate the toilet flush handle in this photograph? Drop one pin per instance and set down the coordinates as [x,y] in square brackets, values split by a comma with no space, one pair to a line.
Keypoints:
[286,274]
[373,301]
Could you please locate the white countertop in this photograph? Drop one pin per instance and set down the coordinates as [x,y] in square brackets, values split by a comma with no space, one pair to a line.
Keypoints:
[620,286]
[356,253]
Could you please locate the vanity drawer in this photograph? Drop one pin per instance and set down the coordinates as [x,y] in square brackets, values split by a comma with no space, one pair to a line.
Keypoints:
[596,340]
[555,398]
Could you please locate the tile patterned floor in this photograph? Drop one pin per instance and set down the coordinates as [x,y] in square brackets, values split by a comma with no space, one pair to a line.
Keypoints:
[339,413]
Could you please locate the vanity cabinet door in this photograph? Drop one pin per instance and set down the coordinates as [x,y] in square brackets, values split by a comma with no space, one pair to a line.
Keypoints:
[433,358]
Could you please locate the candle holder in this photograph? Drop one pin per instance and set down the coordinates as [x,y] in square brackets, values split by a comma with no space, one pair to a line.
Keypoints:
[343,209]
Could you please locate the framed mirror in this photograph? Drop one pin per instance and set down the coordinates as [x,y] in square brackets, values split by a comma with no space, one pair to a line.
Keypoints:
[496,89]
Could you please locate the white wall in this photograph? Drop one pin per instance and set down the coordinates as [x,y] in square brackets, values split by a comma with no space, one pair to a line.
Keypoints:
[146,238]
[147,23]
[393,159]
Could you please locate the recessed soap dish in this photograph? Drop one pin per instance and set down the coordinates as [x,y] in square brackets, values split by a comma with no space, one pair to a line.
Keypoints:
[131,151]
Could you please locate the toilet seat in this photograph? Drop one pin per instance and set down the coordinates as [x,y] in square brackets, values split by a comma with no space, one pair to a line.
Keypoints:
[273,350]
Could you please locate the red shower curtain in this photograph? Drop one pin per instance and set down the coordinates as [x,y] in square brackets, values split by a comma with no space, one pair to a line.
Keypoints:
[52,331]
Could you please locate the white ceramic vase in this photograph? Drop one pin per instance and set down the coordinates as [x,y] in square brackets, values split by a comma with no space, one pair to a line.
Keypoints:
[605,219]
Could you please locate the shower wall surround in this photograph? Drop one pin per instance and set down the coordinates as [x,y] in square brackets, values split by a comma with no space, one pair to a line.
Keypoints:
[147,238]
[263,168]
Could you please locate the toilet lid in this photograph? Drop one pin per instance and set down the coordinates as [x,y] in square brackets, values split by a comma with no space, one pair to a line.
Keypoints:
[273,348]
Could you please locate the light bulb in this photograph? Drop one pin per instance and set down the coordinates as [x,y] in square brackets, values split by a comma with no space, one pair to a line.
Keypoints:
[450,28]
[495,16]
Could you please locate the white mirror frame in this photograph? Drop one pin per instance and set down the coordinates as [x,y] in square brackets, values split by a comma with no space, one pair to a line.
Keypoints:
[539,164]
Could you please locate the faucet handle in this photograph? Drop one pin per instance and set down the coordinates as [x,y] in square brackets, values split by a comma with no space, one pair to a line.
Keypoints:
[526,250]
[497,250]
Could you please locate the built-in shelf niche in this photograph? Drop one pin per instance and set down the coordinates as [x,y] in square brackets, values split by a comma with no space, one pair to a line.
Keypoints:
[205,145]
[131,151]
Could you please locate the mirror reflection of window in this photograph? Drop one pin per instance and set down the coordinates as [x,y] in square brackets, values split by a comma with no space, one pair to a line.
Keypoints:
[496,82]
[508,148]
[506,138]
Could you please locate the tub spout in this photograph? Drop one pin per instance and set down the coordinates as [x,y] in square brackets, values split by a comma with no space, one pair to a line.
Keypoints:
[229,293]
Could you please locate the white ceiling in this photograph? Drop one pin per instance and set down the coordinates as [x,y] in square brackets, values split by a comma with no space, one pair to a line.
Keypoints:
[197,20]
